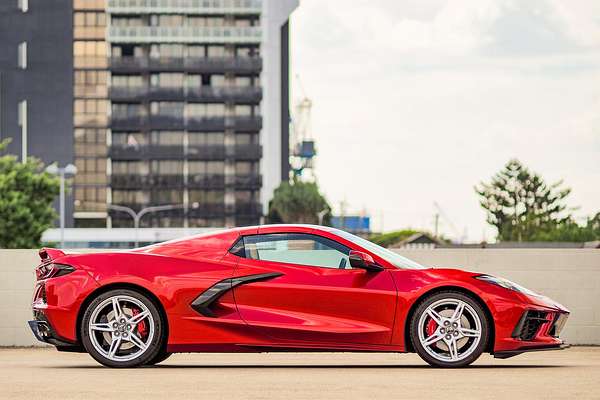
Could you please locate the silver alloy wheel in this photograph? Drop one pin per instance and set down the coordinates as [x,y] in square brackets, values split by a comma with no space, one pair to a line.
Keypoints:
[114,328]
[457,330]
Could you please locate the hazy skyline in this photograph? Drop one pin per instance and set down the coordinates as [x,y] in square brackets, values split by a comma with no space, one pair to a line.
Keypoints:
[418,101]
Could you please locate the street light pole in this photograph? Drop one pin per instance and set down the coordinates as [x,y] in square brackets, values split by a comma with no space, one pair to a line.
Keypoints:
[137,217]
[69,169]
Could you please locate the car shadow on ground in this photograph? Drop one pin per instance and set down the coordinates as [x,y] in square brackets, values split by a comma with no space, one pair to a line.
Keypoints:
[308,366]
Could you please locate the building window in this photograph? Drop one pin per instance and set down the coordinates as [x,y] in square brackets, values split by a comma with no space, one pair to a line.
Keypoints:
[167,167]
[127,81]
[129,139]
[167,108]
[171,196]
[205,110]
[243,110]
[206,138]
[24,5]
[23,125]
[126,21]
[242,139]
[90,198]
[128,110]
[246,168]
[207,196]
[167,138]
[196,51]
[90,171]
[137,168]
[136,197]
[167,80]
[206,167]
[22,56]
[90,142]
[166,50]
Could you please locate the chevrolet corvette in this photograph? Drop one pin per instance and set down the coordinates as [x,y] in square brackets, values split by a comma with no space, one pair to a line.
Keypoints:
[281,288]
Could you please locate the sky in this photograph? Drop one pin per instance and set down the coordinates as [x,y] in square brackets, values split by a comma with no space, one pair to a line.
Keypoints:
[417,101]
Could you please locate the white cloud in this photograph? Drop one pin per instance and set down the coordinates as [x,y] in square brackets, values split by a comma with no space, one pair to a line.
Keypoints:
[420,100]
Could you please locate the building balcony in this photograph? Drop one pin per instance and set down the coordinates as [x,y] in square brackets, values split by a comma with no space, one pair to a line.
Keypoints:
[246,124]
[184,34]
[207,94]
[207,124]
[132,94]
[204,7]
[224,64]
[241,95]
[132,181]
[206,181]
[248,152]
[127,122]
[128,64]
[167,122]
[153,152]
[192,123]
[165,93]
[209,152]
[207,210]
[248,209]
[248,182]
[246,65]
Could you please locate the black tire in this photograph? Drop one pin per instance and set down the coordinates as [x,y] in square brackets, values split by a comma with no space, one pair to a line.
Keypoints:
[160,357]
[154,347]
[451,295]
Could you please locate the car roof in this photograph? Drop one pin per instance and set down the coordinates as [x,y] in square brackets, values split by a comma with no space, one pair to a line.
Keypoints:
[273,228]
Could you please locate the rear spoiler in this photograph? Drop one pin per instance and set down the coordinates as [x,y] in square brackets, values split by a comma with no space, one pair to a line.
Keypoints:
[47,254]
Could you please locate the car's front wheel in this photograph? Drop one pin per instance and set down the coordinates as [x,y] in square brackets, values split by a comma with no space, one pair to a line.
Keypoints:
[122,328]
[449,329]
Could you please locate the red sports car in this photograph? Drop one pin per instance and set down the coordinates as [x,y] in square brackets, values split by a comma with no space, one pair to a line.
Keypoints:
[281,288]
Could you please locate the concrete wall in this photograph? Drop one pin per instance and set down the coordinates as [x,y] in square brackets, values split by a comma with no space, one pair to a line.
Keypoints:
[17,279]
[569,276]
[572,277]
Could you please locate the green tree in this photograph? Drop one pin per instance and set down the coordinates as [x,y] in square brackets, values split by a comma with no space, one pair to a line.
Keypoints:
[390,238]
[26,196]
[521,205]
[298,202]
[571,231]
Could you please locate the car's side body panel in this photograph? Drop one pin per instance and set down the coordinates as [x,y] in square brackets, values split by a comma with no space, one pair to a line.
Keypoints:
[318,304]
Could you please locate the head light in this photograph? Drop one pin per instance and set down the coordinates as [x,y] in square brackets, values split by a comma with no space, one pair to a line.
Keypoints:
[505,283]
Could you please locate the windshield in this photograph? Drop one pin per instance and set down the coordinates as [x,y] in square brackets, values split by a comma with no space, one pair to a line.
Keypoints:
[387,255]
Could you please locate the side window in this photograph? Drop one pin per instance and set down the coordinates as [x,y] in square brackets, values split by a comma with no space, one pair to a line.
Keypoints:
[297,248]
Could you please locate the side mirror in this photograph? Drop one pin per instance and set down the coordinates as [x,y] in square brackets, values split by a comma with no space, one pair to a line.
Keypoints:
[361,260]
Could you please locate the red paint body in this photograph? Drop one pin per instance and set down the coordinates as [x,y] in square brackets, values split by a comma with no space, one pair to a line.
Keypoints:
[307,307]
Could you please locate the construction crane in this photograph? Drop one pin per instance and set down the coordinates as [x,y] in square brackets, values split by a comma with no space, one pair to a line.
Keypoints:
[302,145]
[440,212]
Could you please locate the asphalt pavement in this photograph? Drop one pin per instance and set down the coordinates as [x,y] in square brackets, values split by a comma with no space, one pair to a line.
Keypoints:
[47,374]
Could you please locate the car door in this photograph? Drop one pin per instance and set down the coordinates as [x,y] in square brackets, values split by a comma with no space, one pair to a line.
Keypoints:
[307,291]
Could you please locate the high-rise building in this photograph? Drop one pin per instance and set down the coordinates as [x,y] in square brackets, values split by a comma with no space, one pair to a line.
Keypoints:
[178,102]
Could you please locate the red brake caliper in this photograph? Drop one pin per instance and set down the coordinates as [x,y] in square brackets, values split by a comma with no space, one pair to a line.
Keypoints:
[141,326]
[431,327]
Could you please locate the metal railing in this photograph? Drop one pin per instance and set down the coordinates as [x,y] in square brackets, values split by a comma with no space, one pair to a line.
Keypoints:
[184,6]
[184,34]
[195,64]
[132,181]
[239,123]
[203,94]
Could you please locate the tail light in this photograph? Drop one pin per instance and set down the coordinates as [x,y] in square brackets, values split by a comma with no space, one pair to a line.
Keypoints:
[52,270]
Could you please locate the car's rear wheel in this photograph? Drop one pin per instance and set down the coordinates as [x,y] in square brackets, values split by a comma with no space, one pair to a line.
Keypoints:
[122,328]
[449,329]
